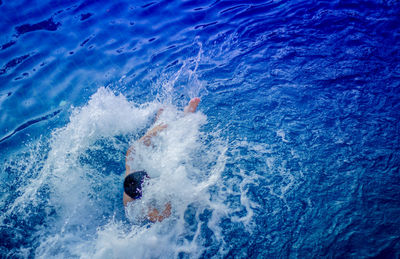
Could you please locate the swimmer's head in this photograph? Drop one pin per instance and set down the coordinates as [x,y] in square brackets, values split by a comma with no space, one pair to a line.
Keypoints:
[133,184]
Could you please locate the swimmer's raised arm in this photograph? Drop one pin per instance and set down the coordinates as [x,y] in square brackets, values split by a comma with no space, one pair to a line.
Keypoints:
[190,108]
[146,139]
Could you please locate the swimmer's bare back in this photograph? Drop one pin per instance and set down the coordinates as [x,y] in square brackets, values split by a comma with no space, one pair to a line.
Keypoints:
[153,214]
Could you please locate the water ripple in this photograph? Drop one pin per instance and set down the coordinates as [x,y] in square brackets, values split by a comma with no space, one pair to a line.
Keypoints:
[48,25]
[29,123]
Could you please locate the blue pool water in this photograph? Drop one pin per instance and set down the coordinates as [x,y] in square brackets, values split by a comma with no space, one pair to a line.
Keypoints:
[294,153]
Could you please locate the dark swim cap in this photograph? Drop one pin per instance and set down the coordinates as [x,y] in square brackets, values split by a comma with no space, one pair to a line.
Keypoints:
[133,184]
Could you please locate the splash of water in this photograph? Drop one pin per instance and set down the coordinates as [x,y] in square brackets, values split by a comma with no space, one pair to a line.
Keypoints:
[75,184]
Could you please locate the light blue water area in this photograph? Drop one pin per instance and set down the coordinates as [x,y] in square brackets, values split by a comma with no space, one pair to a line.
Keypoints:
[293,153]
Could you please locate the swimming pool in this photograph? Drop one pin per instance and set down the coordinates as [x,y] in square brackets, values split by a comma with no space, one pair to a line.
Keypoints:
[294,151]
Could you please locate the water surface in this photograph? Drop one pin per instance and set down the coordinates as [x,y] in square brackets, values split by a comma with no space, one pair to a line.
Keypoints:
[294,152]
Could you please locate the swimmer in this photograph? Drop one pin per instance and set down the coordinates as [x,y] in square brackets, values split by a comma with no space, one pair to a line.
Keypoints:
[134,178]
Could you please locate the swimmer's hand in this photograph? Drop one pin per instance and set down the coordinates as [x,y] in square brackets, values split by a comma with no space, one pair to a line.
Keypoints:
[155,216]
[192,105]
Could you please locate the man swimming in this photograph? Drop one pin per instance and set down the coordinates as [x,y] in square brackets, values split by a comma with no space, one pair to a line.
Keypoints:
[135,178]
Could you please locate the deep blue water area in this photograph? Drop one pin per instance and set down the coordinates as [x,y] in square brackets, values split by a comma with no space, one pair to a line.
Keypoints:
[294,153]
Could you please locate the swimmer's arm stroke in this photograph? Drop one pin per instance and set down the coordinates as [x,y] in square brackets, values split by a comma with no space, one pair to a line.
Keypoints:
[146,139]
